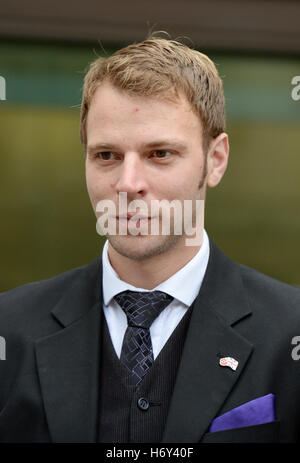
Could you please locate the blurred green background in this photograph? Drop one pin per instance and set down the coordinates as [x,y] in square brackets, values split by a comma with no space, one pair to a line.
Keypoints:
[47,223]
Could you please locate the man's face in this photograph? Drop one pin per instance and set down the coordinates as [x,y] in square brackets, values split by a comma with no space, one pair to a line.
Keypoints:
[149,148]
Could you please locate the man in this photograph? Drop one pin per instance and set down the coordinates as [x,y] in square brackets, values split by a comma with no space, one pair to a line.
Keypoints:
[159,340]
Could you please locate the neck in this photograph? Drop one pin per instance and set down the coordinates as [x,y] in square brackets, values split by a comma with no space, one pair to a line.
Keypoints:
[150,272]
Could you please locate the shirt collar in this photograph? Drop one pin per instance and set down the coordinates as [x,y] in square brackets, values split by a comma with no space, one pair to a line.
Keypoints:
[183,285]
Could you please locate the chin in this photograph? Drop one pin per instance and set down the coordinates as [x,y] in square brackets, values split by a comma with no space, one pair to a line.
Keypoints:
[142,247]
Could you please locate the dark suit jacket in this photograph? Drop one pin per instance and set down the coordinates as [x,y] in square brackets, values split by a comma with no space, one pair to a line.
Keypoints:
[49,380]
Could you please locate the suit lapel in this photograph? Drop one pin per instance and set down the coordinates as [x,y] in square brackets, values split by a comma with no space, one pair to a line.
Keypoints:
[68,360]
[202,385]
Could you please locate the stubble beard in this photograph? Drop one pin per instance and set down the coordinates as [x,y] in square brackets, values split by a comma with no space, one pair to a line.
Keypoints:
[143,247]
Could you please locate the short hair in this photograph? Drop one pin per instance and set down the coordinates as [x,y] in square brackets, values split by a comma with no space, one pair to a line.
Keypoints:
[159,67]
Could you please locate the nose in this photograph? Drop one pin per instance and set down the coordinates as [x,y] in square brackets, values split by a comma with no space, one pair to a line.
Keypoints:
[131,176]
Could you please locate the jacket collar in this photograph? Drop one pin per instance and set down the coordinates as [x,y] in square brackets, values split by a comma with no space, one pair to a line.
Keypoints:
[84,292]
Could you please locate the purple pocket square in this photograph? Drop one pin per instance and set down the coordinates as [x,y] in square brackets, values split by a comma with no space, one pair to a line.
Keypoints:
[257,411]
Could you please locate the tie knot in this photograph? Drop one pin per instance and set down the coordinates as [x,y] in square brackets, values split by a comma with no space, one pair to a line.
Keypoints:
[142,308]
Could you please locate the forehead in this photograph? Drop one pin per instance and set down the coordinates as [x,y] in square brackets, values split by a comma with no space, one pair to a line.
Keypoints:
[116,111]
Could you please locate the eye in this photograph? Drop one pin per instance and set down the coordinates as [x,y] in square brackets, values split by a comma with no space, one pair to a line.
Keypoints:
[162,154]
[105,155]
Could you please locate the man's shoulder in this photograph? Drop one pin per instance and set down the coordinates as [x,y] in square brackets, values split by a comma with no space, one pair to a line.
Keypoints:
[264,285]
[267,297]
[41,295]
[272,301]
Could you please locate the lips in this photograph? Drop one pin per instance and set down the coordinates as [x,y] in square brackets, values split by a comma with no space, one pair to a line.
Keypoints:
[138,220]
[136,217]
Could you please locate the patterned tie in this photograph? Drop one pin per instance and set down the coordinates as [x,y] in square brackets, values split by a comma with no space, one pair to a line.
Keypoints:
[141,309]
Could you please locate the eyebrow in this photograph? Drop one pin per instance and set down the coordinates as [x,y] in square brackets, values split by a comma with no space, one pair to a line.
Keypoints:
[165,142]
[178,145]
[99,146]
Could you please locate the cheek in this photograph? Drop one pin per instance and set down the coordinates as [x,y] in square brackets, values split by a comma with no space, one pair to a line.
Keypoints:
[98,186]
[186,186]
[89,180]
[93,185]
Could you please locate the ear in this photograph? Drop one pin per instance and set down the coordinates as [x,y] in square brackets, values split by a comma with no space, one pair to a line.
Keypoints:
[217,159]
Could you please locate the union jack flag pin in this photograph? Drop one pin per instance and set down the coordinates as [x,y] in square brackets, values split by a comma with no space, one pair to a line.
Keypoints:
[229,362]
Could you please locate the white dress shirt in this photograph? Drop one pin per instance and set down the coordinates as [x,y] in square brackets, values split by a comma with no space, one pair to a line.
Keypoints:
[184,286]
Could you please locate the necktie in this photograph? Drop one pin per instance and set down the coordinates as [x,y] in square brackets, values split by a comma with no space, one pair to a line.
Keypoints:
[141,309]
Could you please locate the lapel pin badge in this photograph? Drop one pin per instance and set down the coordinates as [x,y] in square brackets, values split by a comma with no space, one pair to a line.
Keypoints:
[229,362]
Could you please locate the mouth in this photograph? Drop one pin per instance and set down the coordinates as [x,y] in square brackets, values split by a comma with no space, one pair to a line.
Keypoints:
[138,222]
[135,216]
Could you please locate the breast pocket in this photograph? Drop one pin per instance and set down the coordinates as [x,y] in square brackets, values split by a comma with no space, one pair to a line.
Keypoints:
[262,433]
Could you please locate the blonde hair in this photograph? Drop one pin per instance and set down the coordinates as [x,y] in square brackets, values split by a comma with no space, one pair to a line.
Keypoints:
[163,68]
